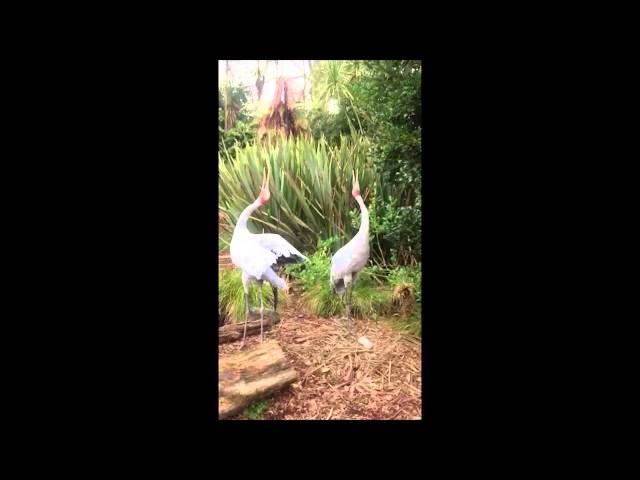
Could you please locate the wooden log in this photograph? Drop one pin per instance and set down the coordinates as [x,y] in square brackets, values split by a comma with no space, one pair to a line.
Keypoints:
[252,375]
[233,331]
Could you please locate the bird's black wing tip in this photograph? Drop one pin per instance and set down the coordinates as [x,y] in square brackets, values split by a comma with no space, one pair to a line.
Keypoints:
[337,285]
[282,260]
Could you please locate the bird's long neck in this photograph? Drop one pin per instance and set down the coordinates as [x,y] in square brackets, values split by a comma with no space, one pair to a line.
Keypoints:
[364,221]
[246,213]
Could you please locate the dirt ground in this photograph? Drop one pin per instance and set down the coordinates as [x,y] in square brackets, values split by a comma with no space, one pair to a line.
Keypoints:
[339,379]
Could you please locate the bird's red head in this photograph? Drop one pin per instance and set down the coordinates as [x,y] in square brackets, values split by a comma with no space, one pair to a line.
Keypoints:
[355,191]
[264,189]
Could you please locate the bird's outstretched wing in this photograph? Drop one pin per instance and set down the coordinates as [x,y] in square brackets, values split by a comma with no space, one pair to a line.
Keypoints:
[278,246]
[252,258]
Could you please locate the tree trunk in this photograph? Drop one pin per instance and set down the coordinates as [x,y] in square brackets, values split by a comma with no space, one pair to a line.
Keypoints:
[226,96]
[252,375]
[259,80]
[310,81]
[234,331]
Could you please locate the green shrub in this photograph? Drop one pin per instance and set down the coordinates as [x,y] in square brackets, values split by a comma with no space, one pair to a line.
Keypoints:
[311,179]
[387,95]
[374,295]
[243,125]
[407,280]
[223,244]
[243,133]
[324,125]
[256,409]
[366,301]
[407,275]
[371,297]
[411,325]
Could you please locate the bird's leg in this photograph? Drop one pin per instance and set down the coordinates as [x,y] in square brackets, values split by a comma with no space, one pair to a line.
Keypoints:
[261,314]
[348,295]
[348,289]
[275,298]
[246,315]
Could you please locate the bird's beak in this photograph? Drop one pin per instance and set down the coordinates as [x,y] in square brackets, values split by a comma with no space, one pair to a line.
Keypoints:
[264,188]
[265,183]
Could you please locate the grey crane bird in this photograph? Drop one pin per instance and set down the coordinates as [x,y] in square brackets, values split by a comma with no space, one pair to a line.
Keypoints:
[258,254]
[351,259]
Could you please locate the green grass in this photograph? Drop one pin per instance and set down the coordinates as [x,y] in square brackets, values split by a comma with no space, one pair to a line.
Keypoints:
[256,409]
[366,300]
[222,244]
[231,295]
[409,276]
[372,295]
[411,324]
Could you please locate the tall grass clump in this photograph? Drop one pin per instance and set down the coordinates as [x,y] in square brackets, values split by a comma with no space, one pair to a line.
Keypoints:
[310,187]
[231,295]
[394,294]
[370,297]
[406,284]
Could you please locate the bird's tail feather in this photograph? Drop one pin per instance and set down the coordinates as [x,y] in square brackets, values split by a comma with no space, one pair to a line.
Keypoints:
[282,260]
[274,279]
[337,285]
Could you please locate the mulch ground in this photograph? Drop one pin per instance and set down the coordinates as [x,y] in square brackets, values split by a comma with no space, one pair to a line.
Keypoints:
[339,379]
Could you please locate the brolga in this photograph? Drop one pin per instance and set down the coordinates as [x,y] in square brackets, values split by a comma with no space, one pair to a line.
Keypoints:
[258,254]
[351,259]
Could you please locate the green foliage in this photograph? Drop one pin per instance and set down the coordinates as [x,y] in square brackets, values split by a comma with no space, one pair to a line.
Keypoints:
[316,269]
[243,133]
[387,95]
[243,125]
[373,289]
[310,187]
[381,101]
[407,275]
[222,244]
[324,125]
[410,277]
[231,295]
[367,300]
[332,81]
[373,294]
[256,409]
[412,324]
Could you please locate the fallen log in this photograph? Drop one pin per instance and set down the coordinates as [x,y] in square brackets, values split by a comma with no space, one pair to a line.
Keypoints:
[252,375]
[234,331]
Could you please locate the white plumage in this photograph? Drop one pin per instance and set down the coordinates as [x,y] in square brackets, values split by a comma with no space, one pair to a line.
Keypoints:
[257,255]
[352,258]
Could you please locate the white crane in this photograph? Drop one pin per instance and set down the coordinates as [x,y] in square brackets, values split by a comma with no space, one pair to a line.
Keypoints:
[350,259]
[257,254]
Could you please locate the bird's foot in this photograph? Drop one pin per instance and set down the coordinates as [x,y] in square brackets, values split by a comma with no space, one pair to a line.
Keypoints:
[242,345]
